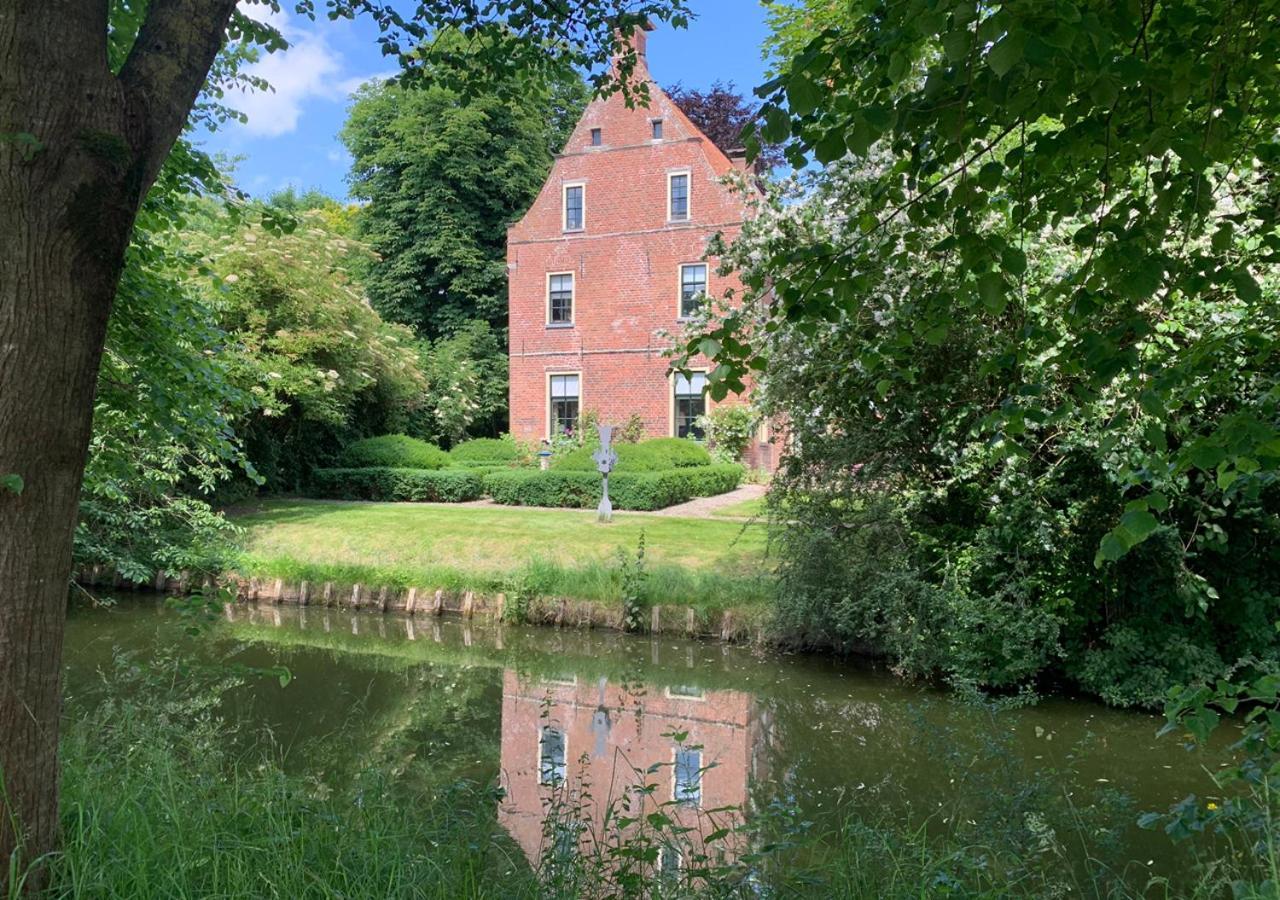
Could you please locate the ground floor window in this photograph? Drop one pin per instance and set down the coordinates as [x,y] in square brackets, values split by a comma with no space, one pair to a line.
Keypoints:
[688,777]
[552,764]
[690,404]
[565,393]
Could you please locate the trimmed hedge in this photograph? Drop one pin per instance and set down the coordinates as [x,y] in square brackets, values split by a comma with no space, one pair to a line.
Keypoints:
[634,491]
[485,452]
[385,483]
[394,451]
[657,455]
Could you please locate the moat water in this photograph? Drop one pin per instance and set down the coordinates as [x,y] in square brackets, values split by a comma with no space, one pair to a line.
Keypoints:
[739,730]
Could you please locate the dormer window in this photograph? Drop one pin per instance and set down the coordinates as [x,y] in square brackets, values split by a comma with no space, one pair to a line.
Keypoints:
[678,196]
[596,137]
[657,128]
[575,207]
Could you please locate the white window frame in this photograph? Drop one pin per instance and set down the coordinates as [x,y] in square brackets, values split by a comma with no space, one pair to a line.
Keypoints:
[564,206]
[706,286]
[564,741]
[547,389]
[696,803]
[671,397]
[671,176]
[573,301]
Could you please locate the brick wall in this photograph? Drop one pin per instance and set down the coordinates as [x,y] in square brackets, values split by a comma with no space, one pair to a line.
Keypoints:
[625,261]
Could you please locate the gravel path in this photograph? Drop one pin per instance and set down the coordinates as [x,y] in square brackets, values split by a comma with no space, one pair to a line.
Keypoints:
[704,506]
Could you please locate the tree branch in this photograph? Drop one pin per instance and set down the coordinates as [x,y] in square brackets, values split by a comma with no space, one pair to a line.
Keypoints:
[166,70]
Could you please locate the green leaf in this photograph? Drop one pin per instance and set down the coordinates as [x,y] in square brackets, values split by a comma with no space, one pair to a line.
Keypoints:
[1110,549]
[1138,524]
[956,45]
[12,482]
[991,288]
[1007,53]
[1014,261]
[804,94]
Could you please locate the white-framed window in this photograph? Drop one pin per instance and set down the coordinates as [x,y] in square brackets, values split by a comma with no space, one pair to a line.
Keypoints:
[597,137]
[693,288]
[559,298]
[685,692]
[670,861]
[564,396]
[689,403]
[688,776]
[656,126]
[678,196]
[553,761]
[575,207]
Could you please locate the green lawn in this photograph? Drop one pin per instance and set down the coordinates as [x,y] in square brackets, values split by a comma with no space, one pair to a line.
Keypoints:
[746,509]
[700,562]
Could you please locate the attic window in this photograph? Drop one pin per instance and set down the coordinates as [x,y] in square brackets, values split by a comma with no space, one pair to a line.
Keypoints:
[657,129]
[596,138]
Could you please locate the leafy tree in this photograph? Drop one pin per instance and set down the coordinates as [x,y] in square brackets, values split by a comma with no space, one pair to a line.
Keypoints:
[321,365]
[89,111]
[723,115]
[1142,134]
[442,180]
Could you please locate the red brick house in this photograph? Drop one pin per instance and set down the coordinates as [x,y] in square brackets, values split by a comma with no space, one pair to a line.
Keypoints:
[608,264]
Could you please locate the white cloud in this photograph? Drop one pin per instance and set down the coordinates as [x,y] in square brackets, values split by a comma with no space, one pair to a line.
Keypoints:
[309,70]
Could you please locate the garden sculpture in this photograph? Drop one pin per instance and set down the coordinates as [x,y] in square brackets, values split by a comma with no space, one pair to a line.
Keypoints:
[606,458]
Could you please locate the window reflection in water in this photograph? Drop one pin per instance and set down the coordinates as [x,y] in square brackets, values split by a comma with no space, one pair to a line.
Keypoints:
[697,751]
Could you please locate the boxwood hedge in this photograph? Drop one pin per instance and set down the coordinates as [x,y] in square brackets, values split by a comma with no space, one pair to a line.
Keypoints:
[385,483]
[394,451]
[628,490]
[656,455]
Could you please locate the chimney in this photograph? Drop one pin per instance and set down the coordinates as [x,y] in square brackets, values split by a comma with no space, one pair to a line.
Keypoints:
[738,156]
[639,40]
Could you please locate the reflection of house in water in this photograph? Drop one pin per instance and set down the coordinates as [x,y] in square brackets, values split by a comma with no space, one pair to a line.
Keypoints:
[597,734]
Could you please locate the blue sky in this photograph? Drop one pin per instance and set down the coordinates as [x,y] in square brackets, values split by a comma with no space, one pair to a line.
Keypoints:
[291,137]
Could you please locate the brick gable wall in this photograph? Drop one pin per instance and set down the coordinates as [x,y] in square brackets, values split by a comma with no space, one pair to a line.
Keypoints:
[626,265]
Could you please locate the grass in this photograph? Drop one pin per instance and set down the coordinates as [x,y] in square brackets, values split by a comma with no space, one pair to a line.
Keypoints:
[747,509]
[156,804]
[696,562]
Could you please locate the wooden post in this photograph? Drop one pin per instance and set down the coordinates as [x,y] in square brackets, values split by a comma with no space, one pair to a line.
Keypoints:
[437,605]
[691,621]
[726,626]
[409,604]
[253,589]
[326,594]
[468,605]
[561,612]
[501,610]
[655,619]
[160,581]
[278,592]
[382,598]
[184,582]
[355,596]
[304,593]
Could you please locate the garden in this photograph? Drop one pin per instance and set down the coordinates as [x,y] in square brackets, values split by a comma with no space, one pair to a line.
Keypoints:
[649,475]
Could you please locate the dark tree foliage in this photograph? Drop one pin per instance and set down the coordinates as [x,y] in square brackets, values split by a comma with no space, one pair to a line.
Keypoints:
[722,113]
[442,177]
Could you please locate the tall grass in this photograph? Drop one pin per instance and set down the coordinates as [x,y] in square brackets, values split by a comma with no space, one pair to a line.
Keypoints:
[591,580]
[157,804]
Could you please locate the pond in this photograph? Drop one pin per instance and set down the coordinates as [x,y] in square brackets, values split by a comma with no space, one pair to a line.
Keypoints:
[721,735]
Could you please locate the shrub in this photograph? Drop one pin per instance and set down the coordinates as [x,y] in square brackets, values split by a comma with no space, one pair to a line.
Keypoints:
[384,483]
[729,430]
[680,453]
[486,452]
[396,451]
[633,491]
[655,455]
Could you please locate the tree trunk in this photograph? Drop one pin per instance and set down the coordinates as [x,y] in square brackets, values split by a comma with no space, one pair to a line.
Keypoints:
[79,147]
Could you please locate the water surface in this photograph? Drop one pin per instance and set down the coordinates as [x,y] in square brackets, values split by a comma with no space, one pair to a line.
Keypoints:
[737,729]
